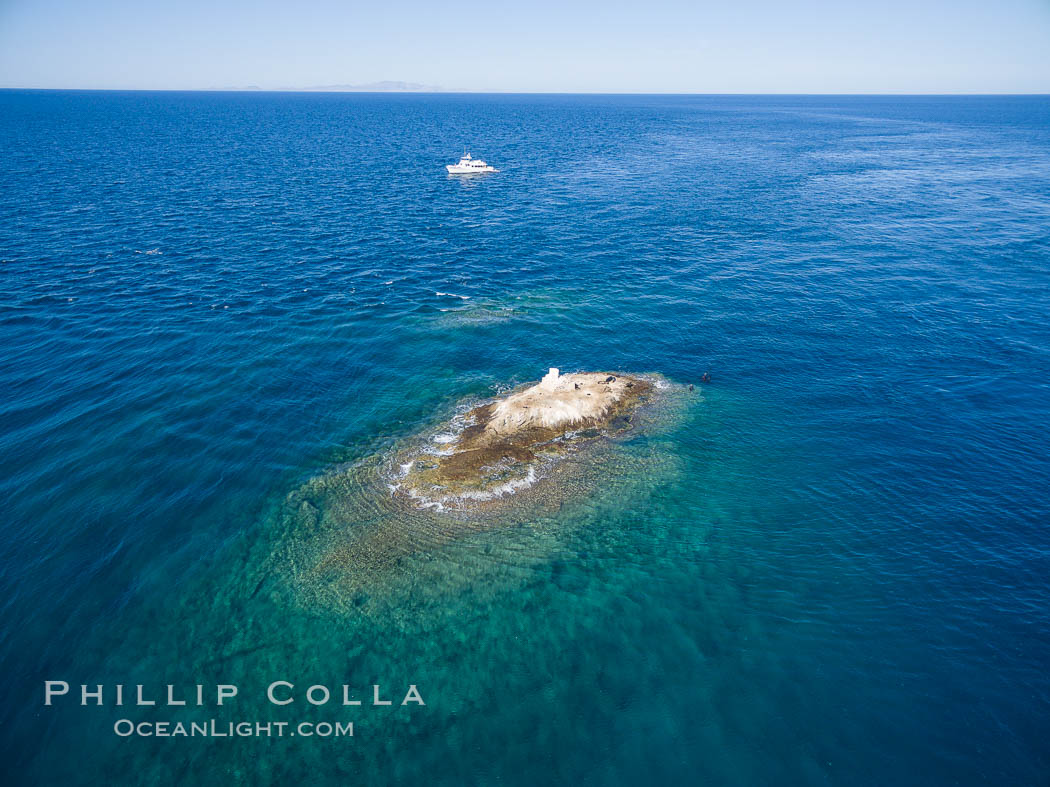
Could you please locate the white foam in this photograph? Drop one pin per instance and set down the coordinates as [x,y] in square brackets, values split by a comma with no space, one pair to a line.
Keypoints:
[426,502]
[452,295]
[506,488]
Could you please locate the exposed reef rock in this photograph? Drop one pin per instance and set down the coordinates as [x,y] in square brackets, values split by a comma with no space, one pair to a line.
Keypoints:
[537,460]
[498,447]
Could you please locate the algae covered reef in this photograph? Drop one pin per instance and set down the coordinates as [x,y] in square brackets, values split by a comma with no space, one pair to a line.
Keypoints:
[519,458]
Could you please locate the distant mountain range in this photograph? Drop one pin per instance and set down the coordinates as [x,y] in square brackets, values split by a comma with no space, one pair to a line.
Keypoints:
[372,87]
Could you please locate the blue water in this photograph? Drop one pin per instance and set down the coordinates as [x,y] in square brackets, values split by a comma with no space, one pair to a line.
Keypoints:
[828,566]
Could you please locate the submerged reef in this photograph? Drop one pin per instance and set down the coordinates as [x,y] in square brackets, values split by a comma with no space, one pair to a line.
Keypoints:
[499,447]
[534,460]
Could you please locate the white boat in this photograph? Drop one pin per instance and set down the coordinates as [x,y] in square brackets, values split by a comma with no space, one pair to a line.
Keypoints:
[469,166]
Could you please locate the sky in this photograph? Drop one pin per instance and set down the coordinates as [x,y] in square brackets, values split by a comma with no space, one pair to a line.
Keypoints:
[604,46]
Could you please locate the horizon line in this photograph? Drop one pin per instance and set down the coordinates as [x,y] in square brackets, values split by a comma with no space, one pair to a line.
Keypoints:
[438,92]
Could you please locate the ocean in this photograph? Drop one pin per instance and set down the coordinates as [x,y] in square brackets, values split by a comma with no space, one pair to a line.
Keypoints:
[223,313]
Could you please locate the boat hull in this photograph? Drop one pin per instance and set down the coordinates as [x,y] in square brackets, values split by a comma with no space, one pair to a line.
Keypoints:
[455,169]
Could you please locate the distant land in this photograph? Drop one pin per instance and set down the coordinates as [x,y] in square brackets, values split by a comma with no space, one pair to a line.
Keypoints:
[386,86]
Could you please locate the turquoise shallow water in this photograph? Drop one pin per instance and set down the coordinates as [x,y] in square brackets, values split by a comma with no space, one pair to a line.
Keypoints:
[221,317]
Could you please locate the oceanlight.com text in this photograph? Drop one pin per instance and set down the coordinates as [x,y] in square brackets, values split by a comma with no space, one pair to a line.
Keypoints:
[242,729]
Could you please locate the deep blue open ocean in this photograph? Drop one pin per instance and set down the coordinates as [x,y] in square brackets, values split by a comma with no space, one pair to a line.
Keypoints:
[831,566]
